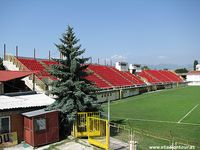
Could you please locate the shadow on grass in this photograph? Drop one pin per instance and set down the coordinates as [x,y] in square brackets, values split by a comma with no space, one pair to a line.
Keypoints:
[115,130]
[119,121]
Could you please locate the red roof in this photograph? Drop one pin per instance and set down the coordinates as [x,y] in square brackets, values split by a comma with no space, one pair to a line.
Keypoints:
[194,73]
[10,75]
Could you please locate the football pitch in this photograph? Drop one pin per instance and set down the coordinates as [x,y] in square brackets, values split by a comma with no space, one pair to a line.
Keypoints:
[161,116]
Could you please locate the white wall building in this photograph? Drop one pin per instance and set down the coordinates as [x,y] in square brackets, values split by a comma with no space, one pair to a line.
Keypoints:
[193,77]
[198,67]
[135,68]
[121,66]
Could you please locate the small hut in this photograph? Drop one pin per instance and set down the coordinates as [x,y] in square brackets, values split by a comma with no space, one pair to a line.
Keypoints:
[41,127]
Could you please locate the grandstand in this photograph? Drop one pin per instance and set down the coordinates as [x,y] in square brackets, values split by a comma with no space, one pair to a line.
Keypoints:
[112,83]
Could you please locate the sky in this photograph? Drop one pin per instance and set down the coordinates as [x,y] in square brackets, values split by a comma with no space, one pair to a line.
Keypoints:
[135,31]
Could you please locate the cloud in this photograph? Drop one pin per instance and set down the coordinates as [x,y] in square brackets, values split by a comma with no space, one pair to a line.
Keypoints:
[118,58]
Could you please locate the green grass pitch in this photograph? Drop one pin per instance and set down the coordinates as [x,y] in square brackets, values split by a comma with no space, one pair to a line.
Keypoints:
[169,114]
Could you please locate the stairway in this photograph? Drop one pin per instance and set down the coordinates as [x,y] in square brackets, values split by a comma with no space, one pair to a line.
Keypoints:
[29,83]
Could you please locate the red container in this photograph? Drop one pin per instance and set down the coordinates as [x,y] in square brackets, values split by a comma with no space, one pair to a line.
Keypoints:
[41,127]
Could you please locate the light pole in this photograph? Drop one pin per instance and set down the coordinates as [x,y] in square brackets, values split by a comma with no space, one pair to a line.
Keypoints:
[108,120]
[108,109]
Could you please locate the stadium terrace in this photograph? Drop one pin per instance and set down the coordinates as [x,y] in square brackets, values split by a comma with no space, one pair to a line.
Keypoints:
[113,82]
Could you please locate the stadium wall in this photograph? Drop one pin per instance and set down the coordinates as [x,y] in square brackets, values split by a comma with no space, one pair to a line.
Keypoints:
[116,94]
[129,92]
[160,86]
[104,96]
[168,86]
[182,84]
[151,88]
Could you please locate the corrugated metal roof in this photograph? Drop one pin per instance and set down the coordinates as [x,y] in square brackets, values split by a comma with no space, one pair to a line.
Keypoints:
[35,100]
[37,112]
[10,75]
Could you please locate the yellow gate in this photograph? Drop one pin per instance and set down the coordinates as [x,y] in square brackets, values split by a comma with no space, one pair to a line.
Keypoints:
[98,132]
[80,125]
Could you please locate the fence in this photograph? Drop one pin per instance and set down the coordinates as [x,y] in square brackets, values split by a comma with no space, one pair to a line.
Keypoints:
[98,132]
[80,125]
[145,139]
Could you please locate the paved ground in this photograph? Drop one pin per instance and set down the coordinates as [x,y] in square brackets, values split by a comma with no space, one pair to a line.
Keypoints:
[72,145]
[118,145]
[63,145]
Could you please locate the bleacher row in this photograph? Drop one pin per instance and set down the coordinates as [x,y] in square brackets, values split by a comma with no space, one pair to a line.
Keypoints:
[114,77]
[107,76]
[38,65]
[159,76]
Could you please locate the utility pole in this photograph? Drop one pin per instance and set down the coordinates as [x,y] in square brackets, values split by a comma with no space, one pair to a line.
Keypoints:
[108,108]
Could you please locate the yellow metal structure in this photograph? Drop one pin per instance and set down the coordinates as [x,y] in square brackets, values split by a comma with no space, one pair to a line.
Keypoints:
[98,132]
[80,125]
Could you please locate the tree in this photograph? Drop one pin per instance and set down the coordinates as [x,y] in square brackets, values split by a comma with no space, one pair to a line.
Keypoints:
[145,68]
[1,64]
[181,70]
[195,63]
[72,91]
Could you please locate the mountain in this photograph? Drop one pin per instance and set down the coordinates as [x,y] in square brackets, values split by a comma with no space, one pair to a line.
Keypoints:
[169,66]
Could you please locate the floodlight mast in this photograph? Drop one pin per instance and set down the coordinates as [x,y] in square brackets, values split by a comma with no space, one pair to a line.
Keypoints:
[4,51]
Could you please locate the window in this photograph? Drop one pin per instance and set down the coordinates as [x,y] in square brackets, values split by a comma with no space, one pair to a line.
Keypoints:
[40,124]
[4,124]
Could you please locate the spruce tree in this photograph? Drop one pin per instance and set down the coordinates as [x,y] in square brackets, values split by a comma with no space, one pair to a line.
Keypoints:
[72,91]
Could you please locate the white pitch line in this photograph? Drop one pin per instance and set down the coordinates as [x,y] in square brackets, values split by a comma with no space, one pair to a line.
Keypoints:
[188,113]
[158,121]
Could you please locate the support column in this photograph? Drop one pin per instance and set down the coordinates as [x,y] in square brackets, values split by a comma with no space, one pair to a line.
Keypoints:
[1,88]
[33,82]
[120,93]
